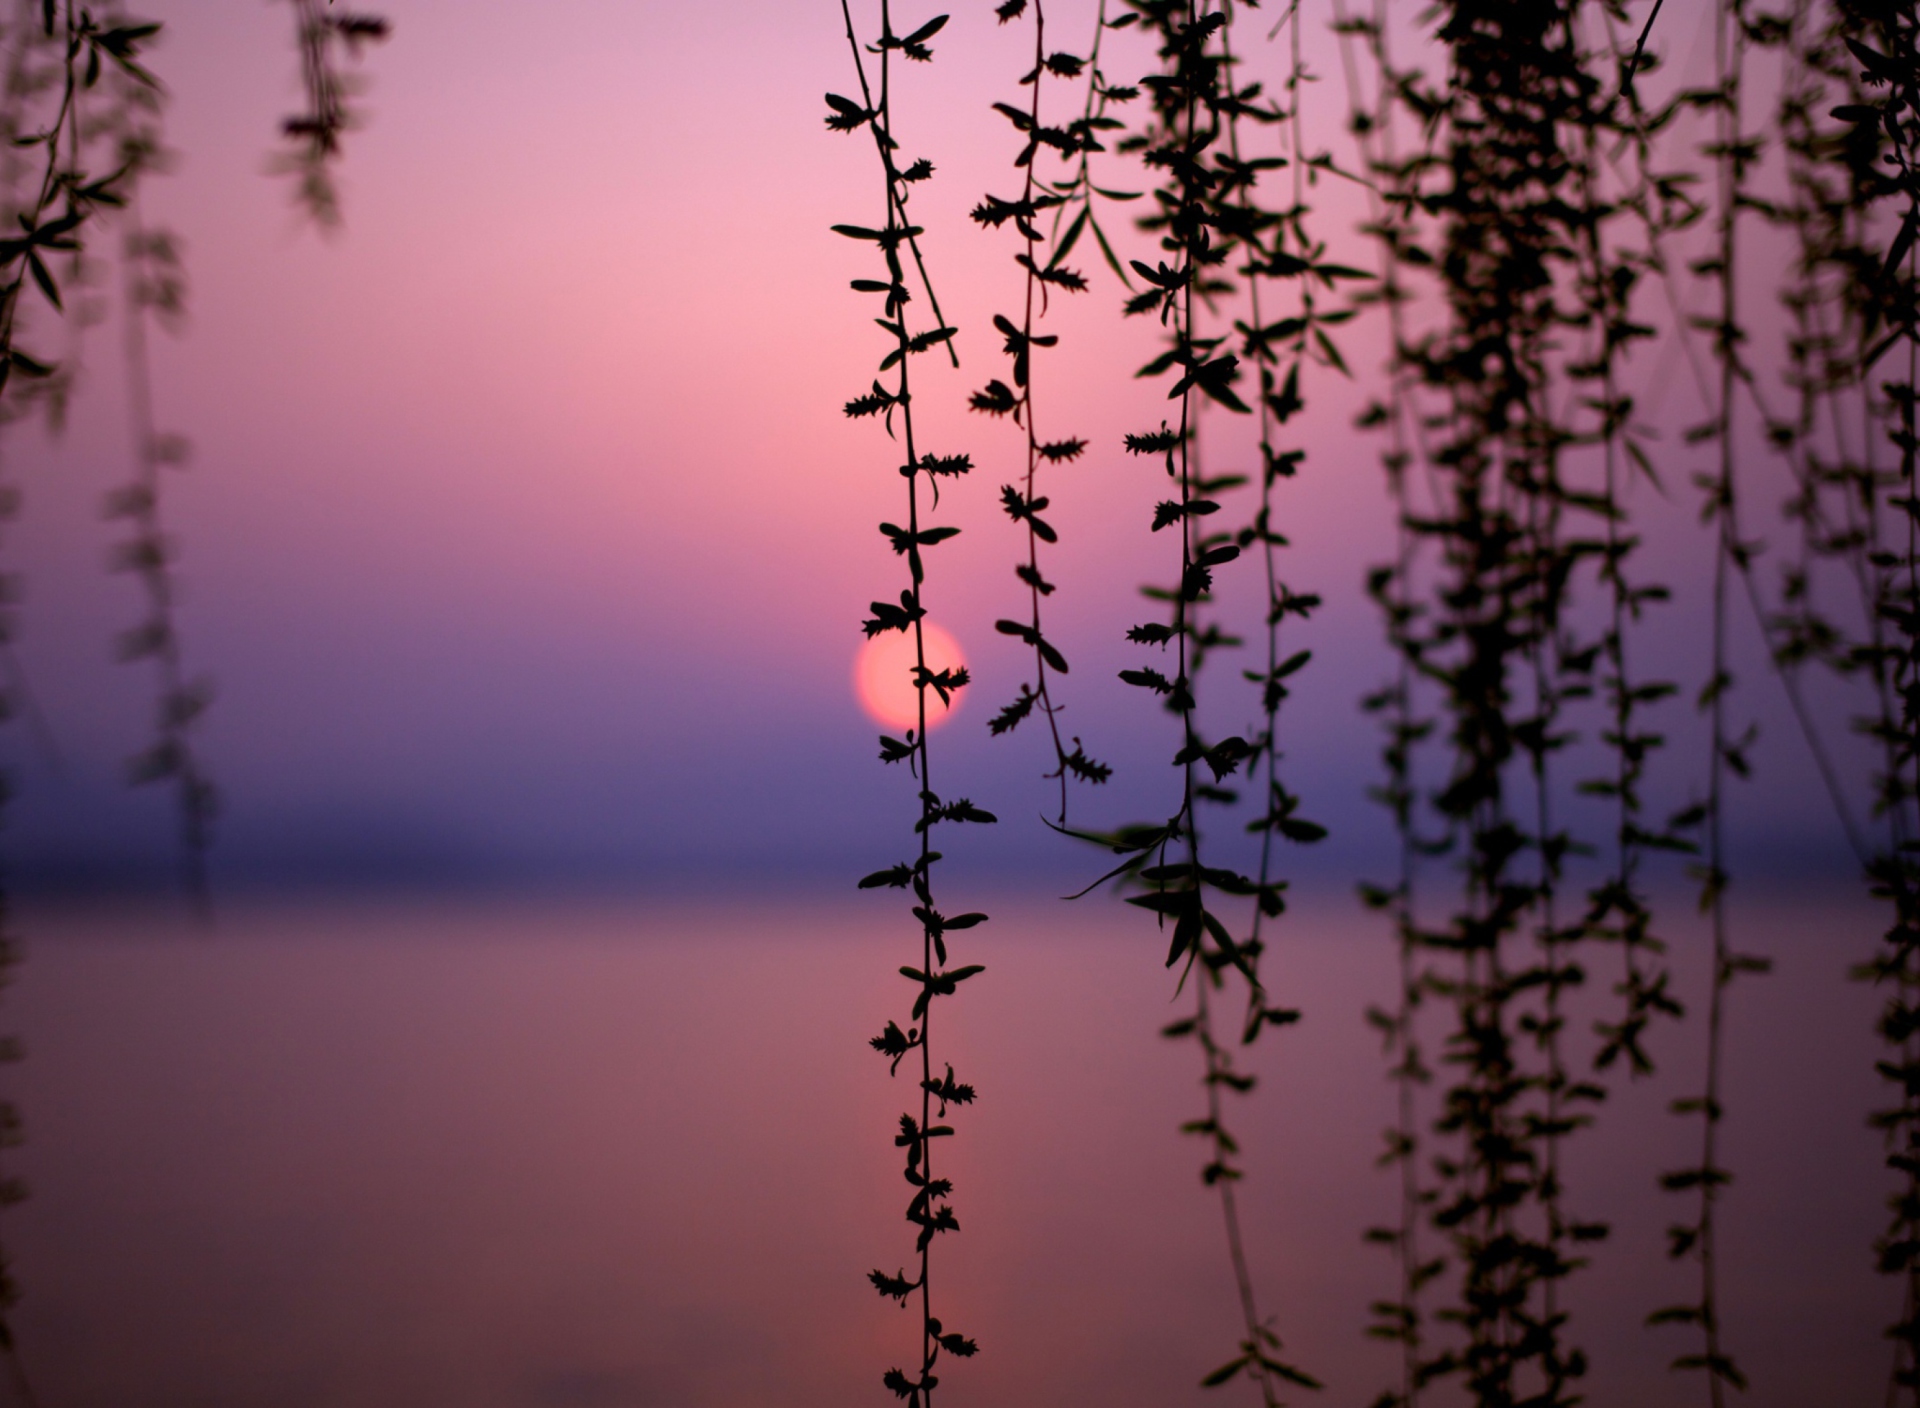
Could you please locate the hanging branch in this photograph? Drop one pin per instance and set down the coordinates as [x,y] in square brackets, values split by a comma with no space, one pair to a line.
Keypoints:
[1277,246]
[313,136]
[1203,217]
[1025,505]
[1393,589]
[1272,245]
[1618,908]
[1502,206]
[1733,153]
[1076,213]
[154,283]
[930,1208]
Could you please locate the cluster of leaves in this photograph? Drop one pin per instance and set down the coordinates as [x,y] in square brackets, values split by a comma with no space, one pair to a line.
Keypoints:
[930,1207]
[62,177]
[1024,504]
[325,36]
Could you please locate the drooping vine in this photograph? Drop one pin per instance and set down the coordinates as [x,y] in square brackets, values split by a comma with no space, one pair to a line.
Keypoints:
[1733,153]
[153,288]
[1619,910]
[1503,209]
[1276,246]
[930,1207]
[1204,218]
[1025,503]
[1078,214]
[1885,41]
[1393,590]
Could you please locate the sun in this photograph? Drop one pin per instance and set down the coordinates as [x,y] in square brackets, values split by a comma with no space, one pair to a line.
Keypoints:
[883,676]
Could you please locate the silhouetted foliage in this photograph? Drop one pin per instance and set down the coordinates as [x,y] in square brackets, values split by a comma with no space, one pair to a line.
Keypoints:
[1211,233]
[1024,505]
[930,1208]
[1527,202]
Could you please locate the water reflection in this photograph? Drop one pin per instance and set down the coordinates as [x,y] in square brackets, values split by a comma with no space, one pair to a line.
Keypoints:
[639,1156]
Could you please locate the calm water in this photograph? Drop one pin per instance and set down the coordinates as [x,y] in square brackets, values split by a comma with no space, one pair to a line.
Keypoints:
[637,1155]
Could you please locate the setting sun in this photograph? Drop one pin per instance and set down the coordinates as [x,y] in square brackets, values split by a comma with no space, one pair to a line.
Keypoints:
[883,677]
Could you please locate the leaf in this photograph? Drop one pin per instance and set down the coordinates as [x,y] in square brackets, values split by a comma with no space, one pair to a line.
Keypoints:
[888,617]
[1010,717]
[1226,1371]
[1901,243]
[898,876]
[997,399]
[1113,260]
[955,465]
[43,279]
[847,115]
[898,1287]
[1087,769]
[1064,245]
[1158,441]
[926,31]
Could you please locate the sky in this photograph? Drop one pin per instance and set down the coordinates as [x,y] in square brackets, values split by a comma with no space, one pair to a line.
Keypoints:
[524,538]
